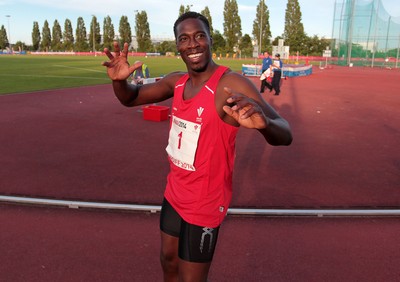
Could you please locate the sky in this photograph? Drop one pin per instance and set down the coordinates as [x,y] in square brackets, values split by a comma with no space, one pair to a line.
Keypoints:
[17,16]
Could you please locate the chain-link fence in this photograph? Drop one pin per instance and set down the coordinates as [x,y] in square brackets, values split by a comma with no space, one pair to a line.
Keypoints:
[365,34]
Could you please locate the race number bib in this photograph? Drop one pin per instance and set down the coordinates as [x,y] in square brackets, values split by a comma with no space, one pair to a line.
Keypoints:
[182,142]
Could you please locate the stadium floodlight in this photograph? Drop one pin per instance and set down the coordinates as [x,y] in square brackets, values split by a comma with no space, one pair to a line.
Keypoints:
[93,31]
[9,32]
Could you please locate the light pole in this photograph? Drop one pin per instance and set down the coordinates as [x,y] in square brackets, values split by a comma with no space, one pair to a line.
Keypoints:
[9,33]
[261,17]
[94,40]
[135,42]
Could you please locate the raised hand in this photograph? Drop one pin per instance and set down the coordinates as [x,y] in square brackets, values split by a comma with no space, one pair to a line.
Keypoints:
[246,111]
[118,67]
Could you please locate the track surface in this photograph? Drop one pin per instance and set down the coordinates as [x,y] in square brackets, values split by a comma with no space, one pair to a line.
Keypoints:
[41,244]
[81,144]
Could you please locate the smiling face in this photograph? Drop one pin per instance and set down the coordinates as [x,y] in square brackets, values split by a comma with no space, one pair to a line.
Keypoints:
[193,42]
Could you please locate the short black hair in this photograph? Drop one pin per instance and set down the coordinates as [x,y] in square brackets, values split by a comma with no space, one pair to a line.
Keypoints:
[191,15]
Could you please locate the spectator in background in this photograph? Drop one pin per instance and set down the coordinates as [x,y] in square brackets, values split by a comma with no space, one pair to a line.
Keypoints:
[277,70]
[266,64]
[139,74]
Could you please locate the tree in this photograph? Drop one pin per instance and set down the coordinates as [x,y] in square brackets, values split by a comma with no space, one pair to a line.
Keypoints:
[46,37]
[206,13]
[314,46]
[81,36]
[56,36]
[167,46]
[19,46]
[232,25]
[142,30]
[294,31]
[97,37]
[68,36]
[108,33]
[3,38]
[35,36]
[125,32]
[183,9]
[261,27]
[219,42]
[246,46]
[276,40]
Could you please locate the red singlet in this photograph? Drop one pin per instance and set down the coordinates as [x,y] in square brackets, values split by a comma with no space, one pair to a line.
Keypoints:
[201,149]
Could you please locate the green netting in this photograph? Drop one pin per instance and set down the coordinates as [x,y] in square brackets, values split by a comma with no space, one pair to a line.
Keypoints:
[365,33]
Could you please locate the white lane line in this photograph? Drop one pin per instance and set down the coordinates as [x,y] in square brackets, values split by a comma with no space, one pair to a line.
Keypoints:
[56,76]
[69,67]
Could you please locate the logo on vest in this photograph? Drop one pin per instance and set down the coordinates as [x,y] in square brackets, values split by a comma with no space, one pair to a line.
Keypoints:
[199,113]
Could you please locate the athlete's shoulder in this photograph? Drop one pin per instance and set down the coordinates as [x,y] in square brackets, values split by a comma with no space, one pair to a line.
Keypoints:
[235,80]
[173,77]
[231,75]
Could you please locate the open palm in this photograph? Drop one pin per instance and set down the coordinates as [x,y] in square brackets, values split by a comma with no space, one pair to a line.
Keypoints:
[118,67]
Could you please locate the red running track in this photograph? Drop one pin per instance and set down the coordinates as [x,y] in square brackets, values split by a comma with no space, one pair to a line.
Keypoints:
[63,245]
[81,144]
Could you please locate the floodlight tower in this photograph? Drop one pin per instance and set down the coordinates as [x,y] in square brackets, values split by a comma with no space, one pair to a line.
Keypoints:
[93,31]
[9,32]
[261,18]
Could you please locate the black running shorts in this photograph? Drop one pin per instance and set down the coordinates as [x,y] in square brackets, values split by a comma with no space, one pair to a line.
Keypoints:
[196,243]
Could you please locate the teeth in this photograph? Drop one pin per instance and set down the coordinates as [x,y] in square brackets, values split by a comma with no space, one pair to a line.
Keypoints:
[194,55]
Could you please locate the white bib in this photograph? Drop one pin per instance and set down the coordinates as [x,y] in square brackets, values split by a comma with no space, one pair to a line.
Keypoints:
[182,142]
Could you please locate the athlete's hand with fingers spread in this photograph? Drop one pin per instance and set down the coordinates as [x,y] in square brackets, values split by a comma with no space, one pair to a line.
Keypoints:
[118,67]
[247,112]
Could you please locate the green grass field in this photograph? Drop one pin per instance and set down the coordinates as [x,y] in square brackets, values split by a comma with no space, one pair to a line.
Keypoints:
[25,73]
